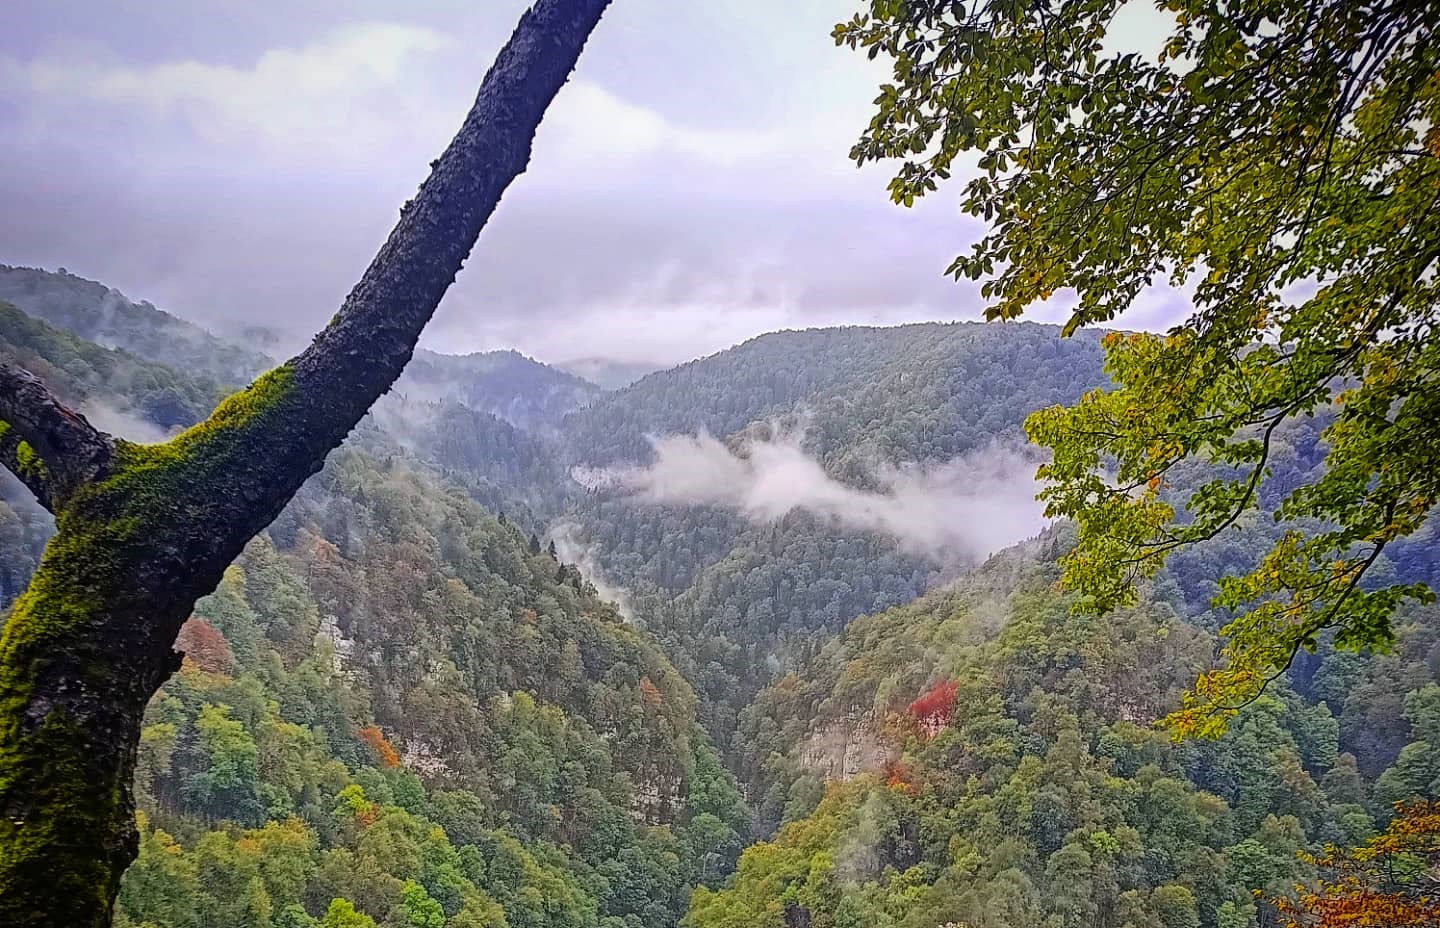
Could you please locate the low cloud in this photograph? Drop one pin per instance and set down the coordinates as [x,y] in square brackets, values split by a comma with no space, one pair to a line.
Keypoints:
[572,549]
[960,510]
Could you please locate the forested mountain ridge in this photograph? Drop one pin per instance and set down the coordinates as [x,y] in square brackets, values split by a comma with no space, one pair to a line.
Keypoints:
[859,399]
[105,316]
[915,392]
[507,384]
[739,598]
[403,701]
[389,660]
[485,419]
[520,390]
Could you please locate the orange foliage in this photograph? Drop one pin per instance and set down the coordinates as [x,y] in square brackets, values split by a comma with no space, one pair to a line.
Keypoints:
[650,693]
[321,551]
[935,708]
[366,817]
[372,735]
[898,775]
[1391,882]
[205,645]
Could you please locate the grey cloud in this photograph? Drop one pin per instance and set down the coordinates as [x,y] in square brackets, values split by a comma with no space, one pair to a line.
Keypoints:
[122,423]
[689,189]
[571,549]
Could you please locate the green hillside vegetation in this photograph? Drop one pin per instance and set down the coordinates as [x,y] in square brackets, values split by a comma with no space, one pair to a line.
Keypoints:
[401,708]
[407,634]
[82,372]
[919,392]
[398,701]
[99,314]
[1017,781]
[735,601]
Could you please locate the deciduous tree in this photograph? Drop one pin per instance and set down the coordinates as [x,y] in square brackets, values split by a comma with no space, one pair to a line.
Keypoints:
[1391,881]
[1279,162]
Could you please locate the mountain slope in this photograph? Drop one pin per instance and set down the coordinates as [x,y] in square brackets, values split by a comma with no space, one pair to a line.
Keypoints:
[738,597]
[486,419]
[520,390]
[103,315]
[398,700]
[906,393]
[984,757]
[92,378]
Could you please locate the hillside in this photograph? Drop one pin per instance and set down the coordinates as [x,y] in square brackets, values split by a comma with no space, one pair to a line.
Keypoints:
[506,384]
[388,658]
[983,756]
[925,418]
[105,316]
[485,420]
[904,393]
[402,699]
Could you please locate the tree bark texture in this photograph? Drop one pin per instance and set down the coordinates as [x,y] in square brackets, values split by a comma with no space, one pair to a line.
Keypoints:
[143,531]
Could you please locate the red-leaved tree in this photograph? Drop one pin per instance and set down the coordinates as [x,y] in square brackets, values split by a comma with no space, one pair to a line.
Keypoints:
[935,708]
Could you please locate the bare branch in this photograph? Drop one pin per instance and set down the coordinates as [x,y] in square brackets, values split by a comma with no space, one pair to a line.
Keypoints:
[361,353]
[262,444]
[50,447]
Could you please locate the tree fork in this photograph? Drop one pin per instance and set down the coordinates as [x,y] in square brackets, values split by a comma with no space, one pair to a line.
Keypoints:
[143,531]
[50,447]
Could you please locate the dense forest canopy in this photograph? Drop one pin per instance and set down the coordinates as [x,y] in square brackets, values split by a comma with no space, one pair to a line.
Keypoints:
[780,637]
[387,628]
[404,703]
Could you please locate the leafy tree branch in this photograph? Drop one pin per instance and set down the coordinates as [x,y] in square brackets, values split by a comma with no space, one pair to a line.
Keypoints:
[1280,165]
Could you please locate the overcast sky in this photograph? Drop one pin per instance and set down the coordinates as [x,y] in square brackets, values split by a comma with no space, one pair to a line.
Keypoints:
[239,162]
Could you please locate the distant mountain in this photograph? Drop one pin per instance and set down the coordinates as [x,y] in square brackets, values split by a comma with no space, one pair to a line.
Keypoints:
[105,316]
[105,381]
[738,597]
[905,393]
[611,375]
[507,384]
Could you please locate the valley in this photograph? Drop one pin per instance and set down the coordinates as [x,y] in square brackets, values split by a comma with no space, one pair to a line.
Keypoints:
[773,638]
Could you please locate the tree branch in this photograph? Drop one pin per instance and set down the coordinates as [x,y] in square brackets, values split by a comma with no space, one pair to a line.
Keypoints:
[260,445]
[86,646]
[360,354]
[50,447]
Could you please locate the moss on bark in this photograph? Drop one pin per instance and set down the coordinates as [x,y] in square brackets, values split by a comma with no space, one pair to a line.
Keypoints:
[88,642]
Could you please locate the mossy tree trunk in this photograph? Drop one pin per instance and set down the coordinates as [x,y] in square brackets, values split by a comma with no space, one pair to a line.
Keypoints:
[142,532]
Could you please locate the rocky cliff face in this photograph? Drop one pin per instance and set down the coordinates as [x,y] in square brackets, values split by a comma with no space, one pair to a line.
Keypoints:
[847,747]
